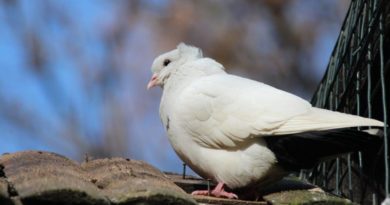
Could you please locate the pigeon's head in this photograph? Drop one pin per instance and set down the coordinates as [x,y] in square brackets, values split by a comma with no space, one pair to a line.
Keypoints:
[168,62]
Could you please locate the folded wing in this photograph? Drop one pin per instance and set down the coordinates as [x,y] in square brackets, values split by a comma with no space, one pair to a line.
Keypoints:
[224,111]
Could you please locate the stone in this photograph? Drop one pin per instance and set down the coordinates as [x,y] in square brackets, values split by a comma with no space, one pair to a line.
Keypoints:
[304,197]
[4,195]
[125,181]
[47,178]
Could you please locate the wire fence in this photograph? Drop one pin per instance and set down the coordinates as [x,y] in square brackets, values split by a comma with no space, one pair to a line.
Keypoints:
[355,82]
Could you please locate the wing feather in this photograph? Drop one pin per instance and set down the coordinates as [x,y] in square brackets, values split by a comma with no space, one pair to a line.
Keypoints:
[222,111]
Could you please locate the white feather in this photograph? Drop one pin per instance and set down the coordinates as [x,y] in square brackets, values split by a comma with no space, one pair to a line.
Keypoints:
[224,110]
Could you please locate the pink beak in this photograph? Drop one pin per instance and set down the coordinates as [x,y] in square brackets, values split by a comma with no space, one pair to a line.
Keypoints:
[152,82]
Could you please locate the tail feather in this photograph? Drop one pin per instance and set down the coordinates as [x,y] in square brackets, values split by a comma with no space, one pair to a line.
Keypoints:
[322,120]
[305,150]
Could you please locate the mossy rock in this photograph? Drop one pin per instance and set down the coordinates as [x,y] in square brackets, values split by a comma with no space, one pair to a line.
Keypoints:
[125,181]
[305,197]
[4,195]
[47,178]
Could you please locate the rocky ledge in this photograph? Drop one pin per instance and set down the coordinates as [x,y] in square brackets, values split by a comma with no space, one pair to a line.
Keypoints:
[35,177]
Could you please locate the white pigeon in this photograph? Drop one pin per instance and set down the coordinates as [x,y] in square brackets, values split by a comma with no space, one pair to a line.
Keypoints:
[239,132]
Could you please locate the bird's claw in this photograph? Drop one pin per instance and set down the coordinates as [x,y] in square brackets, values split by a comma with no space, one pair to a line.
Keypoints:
[222,194]
[218,191]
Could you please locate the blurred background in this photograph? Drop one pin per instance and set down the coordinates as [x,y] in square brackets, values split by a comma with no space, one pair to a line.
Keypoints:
[74,73]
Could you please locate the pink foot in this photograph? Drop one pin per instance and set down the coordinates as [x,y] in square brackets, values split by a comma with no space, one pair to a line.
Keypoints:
[218,191]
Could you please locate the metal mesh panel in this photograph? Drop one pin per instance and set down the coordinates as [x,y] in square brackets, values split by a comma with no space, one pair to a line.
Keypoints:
[356,81]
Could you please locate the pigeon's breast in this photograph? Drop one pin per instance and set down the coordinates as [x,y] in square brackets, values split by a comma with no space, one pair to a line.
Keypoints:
[239,168]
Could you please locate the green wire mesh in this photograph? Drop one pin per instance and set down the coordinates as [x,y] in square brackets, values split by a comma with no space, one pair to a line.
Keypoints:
[355,82]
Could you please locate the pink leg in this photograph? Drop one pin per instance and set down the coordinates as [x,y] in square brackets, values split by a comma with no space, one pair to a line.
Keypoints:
[218,191]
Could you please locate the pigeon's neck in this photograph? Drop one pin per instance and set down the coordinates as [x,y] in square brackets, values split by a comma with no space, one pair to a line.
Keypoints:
[184,77]
[190,72]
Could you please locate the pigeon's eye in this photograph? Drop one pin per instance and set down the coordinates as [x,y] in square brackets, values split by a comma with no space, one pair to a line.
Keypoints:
[167,62]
